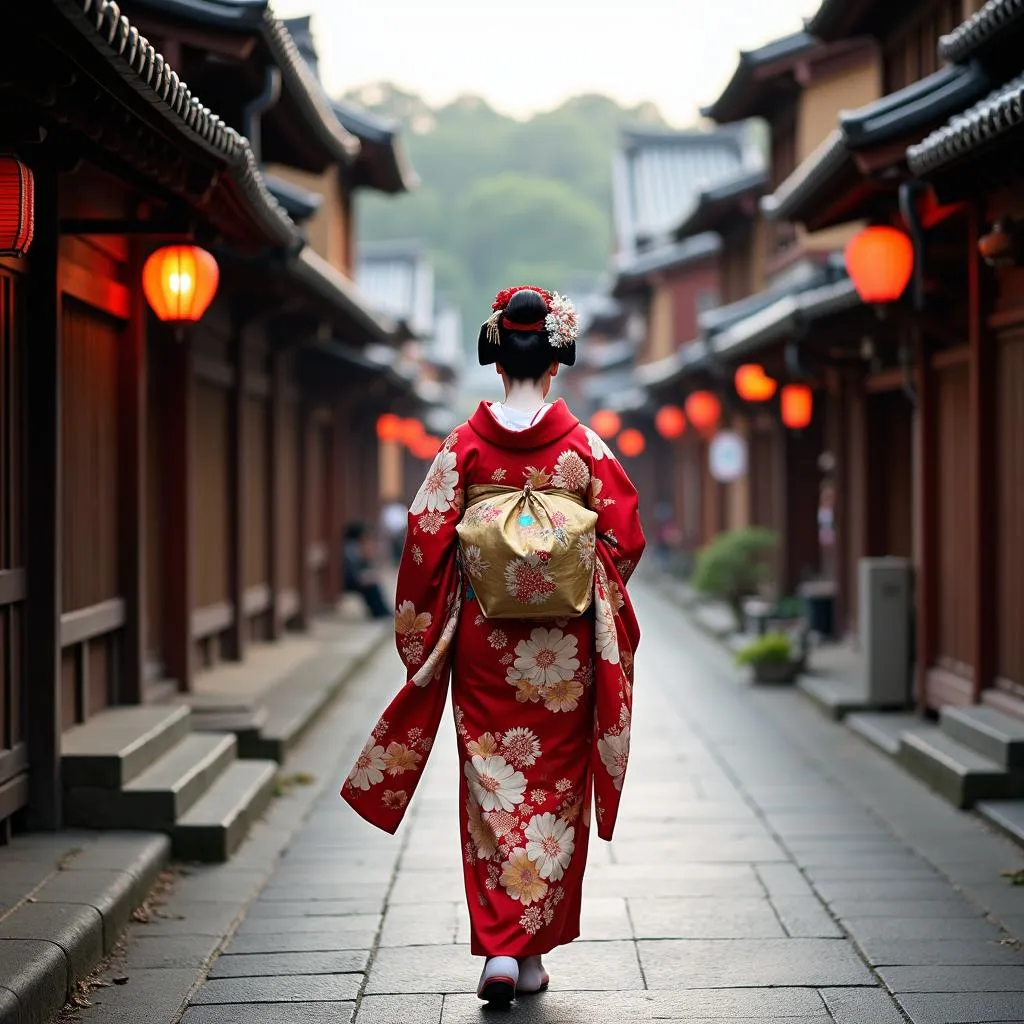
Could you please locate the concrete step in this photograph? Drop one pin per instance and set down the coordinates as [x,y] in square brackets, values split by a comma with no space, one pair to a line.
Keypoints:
[117,745]
[1006,815]
[960,774]
[159,795]
[213,828]
[884,729]
[990,732]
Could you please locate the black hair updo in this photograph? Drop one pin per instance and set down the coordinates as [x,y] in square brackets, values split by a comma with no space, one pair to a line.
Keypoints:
[523,355]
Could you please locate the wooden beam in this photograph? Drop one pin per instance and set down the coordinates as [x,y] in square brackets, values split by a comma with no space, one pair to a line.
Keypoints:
[43,522]
[176,443]
[236,490]
[86,623]
[131,380]
[983,404]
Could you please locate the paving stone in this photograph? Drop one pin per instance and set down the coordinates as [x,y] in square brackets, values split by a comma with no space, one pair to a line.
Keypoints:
[605,920]
[897,908]
[704,918]
[256,965]
[906,871]
[938,953]
[357,929]
[147,996]
[736,1003]
[893,928]
[10,1008]
[554,1007]
[427,925]
[805,917]
[861,1006]
[595,966]
[726,963]
[38,974]
[217,885]
[180,918]
[270,909]
[955,979]
[77,929]
[112,893]
[427,887]
[272,1013]
[150,952]
[719,880]
[739,850]
[418,1009]
[783,880]
[963,1008]
[319,892]
[291,988]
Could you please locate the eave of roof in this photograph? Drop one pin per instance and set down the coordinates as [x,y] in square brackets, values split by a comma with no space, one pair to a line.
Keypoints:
[784,317]
[146,71]
[299,203]
[257,16]
[665,372]
[970,131]
[383,163]
[667,257]
[714,204]
[734,101]
[980,30]
[887,120]
[836,19]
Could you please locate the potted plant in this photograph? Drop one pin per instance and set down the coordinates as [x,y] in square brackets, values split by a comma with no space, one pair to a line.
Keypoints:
[772,657]
[734,566]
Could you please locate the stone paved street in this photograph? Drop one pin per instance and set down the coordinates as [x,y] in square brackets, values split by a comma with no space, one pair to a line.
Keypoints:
[768,867]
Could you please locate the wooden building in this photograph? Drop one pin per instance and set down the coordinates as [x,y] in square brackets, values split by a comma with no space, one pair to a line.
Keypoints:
[169,494]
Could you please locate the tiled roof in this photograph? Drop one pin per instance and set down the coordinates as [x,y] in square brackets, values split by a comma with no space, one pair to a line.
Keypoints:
[299,203]
[1000,111]
[725,107]
[101,22]
[658,177]
[715,202]
[980,29]
[666,257]
[397,280]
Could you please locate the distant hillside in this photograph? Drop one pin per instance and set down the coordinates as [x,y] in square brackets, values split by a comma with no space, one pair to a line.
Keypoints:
[502,201]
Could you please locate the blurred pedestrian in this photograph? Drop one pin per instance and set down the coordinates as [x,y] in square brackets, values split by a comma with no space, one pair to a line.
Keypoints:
[360,574]
[394,520]
[513,582]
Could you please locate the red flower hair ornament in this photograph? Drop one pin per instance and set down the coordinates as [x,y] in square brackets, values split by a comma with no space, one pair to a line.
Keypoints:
[560,323]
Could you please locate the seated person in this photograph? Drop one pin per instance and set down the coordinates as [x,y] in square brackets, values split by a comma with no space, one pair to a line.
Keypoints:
[359,574]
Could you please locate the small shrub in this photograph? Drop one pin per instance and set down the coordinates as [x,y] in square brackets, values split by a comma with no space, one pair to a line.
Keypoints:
[734,565]
[770,649]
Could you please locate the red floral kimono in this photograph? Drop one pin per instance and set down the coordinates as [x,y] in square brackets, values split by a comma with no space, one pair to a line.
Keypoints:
[542,709]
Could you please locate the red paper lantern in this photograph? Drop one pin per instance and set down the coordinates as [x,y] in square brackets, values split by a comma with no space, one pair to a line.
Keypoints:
[753,384]
[703,409]
[797,402]
[17,207]
[389,427]
[631,443]
[410,431]
[606,423]
[425,447]
[670,422]
[880,262]
[180,282]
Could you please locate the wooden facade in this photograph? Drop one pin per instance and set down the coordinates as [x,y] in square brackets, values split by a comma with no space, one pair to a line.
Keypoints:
[168,495]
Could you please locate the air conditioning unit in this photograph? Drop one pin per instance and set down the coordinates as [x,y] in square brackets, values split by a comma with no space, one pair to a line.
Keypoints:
[885,625]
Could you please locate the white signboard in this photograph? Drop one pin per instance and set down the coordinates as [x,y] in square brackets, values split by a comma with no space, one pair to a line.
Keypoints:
[727,457]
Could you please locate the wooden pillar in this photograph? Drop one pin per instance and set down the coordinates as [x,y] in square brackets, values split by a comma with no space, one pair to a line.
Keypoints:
[132,379]
[838,446]
[985,467]
[926,574]
[236,637]
[304,491]
[274,497]
[42,665]
[177,552]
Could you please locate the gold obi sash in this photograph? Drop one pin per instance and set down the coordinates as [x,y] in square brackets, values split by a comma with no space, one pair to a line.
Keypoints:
[528,553]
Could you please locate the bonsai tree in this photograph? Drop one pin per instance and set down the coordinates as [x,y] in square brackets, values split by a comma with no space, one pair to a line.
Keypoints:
[734,565]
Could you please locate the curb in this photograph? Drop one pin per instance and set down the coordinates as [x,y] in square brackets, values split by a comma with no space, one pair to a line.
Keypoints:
[57,935]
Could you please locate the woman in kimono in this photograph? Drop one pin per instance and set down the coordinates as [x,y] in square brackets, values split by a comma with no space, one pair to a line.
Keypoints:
[542,708]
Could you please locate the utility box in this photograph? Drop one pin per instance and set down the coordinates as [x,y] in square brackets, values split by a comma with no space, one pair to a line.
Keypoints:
[885,624]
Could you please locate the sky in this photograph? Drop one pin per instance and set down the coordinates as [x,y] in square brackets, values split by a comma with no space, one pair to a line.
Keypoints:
[531,55]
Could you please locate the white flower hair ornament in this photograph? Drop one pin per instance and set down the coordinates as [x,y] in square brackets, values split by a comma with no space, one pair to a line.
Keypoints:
[560,324]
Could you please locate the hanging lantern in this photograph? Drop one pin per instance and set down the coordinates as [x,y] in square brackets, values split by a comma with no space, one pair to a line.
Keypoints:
[670,422]
[631,443]
[753,384]
[880,262]
[389,427]
[17,207]
[703,410]
[606,423]
[797,402]
[180,282]
[410,431]
[425,447]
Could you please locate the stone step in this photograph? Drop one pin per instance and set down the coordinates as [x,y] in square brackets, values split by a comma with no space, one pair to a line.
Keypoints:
[213,828]
[884,729]
[117,745]
[160,794]
[1006,815]
[988,731]
[960,774]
